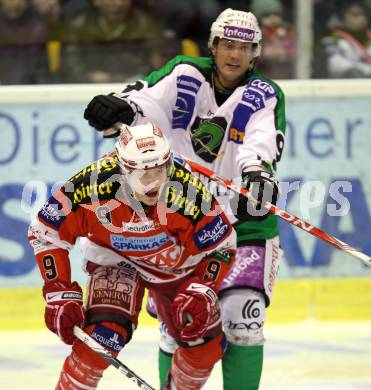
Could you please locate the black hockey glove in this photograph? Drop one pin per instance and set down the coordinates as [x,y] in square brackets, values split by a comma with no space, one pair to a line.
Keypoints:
[105,110]
[263,187]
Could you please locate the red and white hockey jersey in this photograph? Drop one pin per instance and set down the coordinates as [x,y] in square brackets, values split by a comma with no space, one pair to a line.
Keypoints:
[162,243]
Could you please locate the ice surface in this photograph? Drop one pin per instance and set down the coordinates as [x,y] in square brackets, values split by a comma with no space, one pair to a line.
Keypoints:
[298,356]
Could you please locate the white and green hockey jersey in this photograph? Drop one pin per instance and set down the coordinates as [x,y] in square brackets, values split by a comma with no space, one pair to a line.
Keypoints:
[247,129]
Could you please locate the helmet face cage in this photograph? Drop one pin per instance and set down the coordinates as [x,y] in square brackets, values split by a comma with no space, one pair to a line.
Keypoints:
[238,26]
[144,157]
[143,181]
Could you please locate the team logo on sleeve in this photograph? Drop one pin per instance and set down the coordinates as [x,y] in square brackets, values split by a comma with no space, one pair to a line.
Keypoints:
[52,212]
[253,99]
[187,89]
[211,234]
[262,86]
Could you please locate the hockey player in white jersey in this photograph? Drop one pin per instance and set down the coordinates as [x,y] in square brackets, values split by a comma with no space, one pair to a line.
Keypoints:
[221,113]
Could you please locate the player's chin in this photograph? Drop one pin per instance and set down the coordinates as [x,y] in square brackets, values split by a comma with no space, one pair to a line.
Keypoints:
[150,198]
[233,72]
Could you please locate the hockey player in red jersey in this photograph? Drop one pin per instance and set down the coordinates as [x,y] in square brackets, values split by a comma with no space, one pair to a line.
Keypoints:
[221,113]
[144,222]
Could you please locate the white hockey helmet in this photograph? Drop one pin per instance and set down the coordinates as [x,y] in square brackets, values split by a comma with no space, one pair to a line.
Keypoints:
[140,149]
[238,26]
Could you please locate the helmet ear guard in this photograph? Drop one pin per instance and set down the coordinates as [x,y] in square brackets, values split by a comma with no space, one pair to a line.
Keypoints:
[238,26]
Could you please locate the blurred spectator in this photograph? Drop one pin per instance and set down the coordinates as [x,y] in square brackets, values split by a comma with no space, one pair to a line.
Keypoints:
[52,10]
[323,18]
[113,42]
[23,58]
[49,10]
[278,47]
[54,14]
[189,20]
[348,48]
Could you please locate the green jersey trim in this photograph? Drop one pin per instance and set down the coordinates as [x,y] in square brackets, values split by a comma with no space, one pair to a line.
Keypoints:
[255,230]
[279,112]
[203,64]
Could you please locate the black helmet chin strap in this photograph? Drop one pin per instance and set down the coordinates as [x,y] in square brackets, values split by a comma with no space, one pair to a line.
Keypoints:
[253,64]
[224,89]
[221,87]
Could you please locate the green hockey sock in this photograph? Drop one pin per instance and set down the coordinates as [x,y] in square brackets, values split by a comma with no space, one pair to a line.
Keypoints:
[164,363]
[242,367]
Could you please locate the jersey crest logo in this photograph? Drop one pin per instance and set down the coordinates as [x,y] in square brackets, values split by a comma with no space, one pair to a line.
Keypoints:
[207,137]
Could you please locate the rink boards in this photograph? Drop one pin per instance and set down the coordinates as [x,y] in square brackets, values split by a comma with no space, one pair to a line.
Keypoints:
[293,300]
[327,150]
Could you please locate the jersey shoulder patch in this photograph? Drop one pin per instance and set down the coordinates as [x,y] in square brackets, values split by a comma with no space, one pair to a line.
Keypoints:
[186,194]
[97,181]
[262,87]
[258,90]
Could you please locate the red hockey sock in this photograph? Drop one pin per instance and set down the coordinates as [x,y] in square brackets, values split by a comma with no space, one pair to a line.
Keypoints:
[76,375]
[191,367]
[84,368]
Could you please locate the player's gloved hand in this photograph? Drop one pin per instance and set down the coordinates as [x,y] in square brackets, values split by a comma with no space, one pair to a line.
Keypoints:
[105,110]
[263,186]
[195,310]
[63,308]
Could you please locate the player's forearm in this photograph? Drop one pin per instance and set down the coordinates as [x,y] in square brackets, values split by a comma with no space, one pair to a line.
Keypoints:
[214,267]
[54,264]
[53,261]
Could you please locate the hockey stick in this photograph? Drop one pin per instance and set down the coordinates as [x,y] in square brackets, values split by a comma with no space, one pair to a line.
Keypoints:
[296,221]
[100,350]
